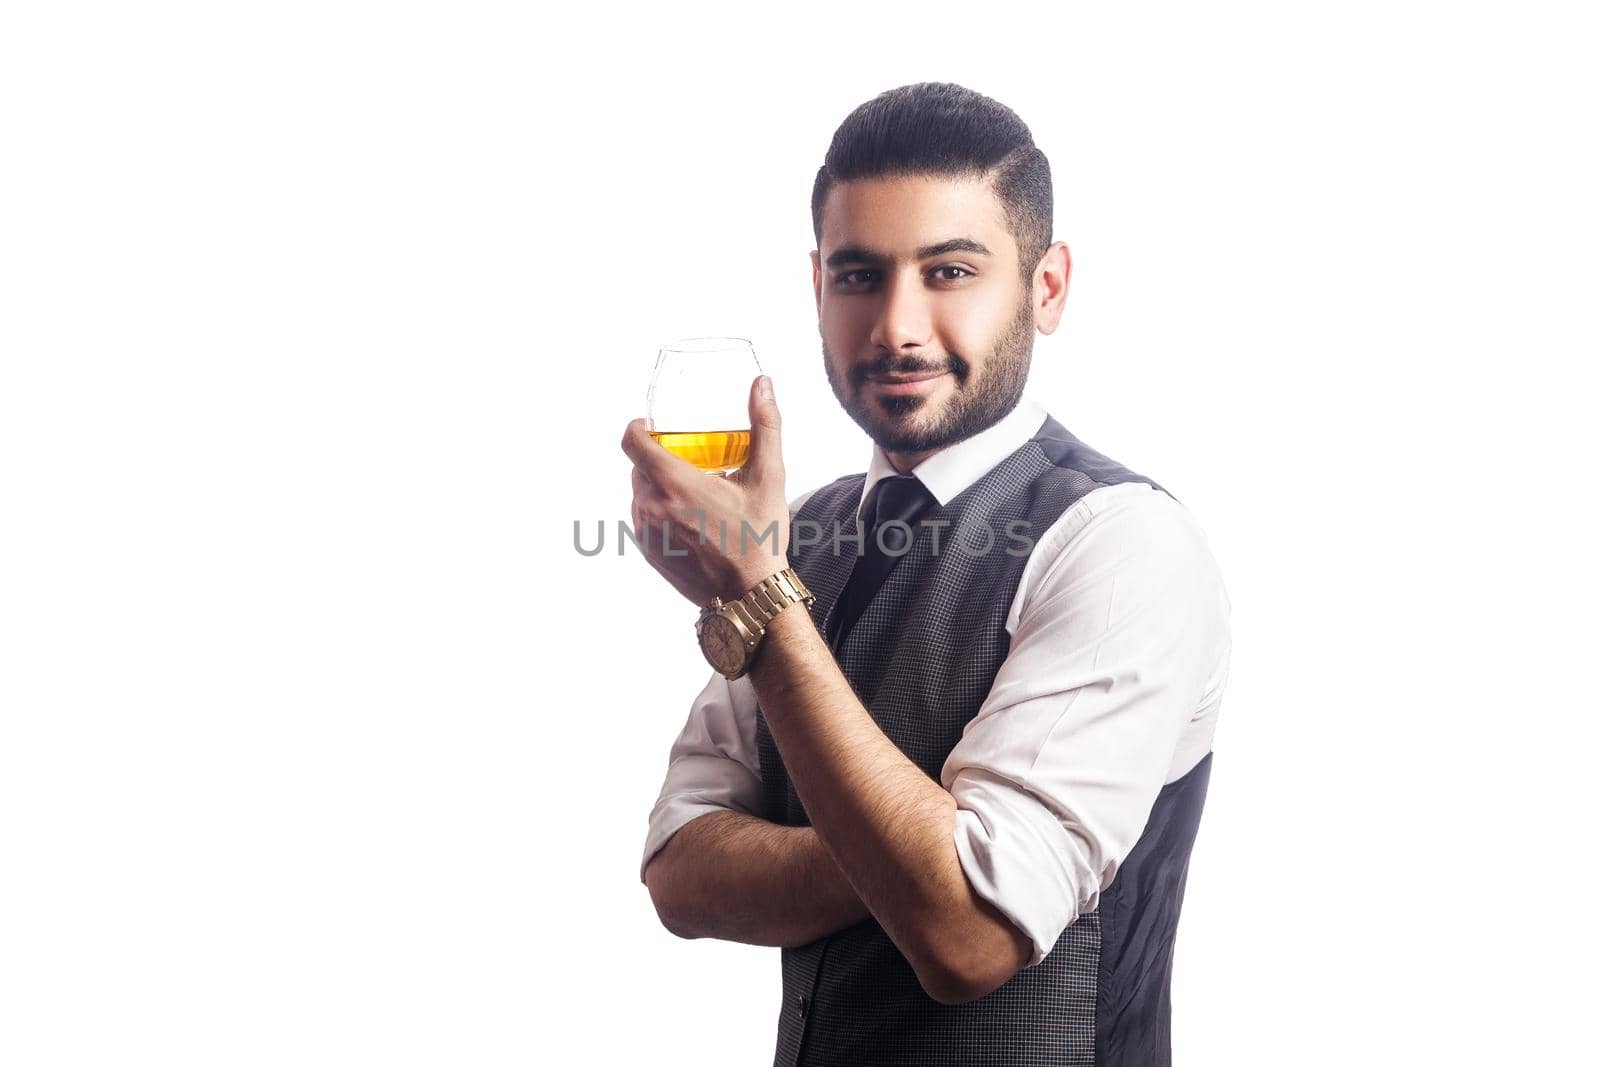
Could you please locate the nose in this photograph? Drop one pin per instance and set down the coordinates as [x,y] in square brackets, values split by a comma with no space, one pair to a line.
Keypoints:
[905,322]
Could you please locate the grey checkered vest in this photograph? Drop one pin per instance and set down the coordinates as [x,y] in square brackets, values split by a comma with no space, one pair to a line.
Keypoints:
[921,658]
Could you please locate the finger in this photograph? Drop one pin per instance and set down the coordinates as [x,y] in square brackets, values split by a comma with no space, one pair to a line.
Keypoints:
[646,502]
[664,469]
[644,490]
[766,429]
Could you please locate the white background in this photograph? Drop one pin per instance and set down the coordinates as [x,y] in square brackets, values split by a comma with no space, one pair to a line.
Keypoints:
[321,324]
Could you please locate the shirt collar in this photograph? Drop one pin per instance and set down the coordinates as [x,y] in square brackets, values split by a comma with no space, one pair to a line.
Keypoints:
[950,470]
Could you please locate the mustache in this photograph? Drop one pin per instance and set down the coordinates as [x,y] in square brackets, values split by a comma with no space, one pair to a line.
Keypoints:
[890,364]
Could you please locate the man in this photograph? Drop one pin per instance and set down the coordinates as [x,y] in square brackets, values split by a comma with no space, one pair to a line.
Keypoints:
[960,785]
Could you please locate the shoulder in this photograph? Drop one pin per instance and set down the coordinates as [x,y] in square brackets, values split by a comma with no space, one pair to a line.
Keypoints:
[1136,510]
[844,482]
[796,503]
[1129,532]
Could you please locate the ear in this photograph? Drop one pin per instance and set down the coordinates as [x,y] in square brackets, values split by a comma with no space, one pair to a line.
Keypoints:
[816,278]
[1050,286]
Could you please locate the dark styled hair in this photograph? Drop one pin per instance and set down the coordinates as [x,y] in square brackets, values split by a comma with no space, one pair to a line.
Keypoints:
[936,128]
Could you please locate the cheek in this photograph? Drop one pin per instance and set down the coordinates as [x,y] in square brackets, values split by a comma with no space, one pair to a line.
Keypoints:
[845,331]
[846,319]
[971,322]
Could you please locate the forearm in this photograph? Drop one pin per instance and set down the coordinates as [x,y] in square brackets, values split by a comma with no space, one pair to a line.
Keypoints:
[888,826]
[735,877]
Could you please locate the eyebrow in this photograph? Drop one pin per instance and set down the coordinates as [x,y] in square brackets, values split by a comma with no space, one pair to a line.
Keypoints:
[867,255]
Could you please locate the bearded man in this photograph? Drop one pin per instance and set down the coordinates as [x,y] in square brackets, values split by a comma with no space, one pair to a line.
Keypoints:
[954,751]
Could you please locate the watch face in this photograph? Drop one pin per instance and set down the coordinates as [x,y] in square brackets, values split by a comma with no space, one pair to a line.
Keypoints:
[721,643]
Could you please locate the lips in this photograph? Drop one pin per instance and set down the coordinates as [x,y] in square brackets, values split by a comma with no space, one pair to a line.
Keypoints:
[901,379]
[906,384]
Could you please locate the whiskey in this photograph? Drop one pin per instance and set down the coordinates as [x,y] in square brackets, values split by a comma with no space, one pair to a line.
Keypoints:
[711,450]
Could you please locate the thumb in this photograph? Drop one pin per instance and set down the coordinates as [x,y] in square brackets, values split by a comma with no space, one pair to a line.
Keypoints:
[766,429]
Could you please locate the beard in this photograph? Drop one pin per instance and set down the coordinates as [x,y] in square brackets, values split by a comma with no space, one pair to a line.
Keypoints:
[892,421]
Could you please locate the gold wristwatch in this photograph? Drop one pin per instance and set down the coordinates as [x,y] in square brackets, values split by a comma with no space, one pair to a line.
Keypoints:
[730,632]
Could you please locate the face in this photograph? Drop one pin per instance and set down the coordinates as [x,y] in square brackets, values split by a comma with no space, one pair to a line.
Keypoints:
[927,327]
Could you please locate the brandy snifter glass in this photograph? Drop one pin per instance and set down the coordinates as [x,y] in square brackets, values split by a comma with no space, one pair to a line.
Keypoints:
[699,401]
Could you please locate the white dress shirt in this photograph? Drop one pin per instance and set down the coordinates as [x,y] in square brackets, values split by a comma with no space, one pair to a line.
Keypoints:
[1110,689]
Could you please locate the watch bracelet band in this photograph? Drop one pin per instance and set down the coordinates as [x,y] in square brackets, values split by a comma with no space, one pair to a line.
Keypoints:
[771,595]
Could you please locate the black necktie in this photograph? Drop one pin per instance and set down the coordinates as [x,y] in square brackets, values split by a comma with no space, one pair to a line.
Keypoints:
[900,498]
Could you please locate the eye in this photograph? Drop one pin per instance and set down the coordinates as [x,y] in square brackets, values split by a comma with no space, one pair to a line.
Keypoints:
[960,272]
[852,278]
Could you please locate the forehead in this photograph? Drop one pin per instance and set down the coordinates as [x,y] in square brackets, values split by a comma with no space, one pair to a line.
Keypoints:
[896,216]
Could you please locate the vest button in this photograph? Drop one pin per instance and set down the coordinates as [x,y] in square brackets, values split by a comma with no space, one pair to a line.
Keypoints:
[805,1006]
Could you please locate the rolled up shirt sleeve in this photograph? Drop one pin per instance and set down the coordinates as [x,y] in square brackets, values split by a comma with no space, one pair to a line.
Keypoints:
[1119,649]
[713,764]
